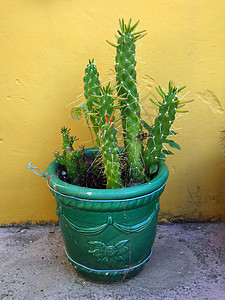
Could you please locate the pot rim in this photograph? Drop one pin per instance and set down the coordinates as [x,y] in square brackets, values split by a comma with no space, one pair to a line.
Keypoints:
[78,192]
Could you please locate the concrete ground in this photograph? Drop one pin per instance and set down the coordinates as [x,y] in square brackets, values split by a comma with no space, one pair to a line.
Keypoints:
[188,262]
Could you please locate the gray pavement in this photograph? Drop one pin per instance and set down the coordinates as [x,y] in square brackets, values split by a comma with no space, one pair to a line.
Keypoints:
[188,262]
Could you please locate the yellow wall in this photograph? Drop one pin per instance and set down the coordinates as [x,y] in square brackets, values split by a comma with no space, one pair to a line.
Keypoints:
[45,46]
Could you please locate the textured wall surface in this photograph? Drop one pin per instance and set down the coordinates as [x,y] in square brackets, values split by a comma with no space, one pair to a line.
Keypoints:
[45,46]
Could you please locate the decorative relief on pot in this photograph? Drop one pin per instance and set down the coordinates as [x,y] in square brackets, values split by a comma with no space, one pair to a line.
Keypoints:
[110,222]
[104,252]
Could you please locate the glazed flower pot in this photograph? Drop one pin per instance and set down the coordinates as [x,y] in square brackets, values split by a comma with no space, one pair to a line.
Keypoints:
[108,234]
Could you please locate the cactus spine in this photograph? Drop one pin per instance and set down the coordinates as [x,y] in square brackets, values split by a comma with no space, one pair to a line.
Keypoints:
[71,159]
[159,132]
[126,80]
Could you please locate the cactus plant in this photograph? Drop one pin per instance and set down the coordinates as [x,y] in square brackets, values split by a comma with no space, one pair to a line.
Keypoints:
[71,159]
[102,106]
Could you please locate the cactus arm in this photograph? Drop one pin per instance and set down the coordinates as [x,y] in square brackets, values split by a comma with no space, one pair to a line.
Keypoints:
[100,103]
[110,156]
[108,140]
[71,159]
[67,140]
[82,165]
[71,166]
[75,165]
[154,152]
[126,80]
[92,89]
[59,158]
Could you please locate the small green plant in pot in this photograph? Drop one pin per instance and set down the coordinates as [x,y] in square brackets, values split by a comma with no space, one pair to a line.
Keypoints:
[109,232]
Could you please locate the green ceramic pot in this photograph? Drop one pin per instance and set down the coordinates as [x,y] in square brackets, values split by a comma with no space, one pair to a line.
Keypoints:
[108,234]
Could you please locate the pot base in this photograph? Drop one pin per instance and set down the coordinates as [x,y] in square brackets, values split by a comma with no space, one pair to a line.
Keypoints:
[107,276]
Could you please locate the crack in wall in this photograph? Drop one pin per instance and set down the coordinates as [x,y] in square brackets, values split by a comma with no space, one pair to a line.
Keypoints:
[222,141]
[212,100]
